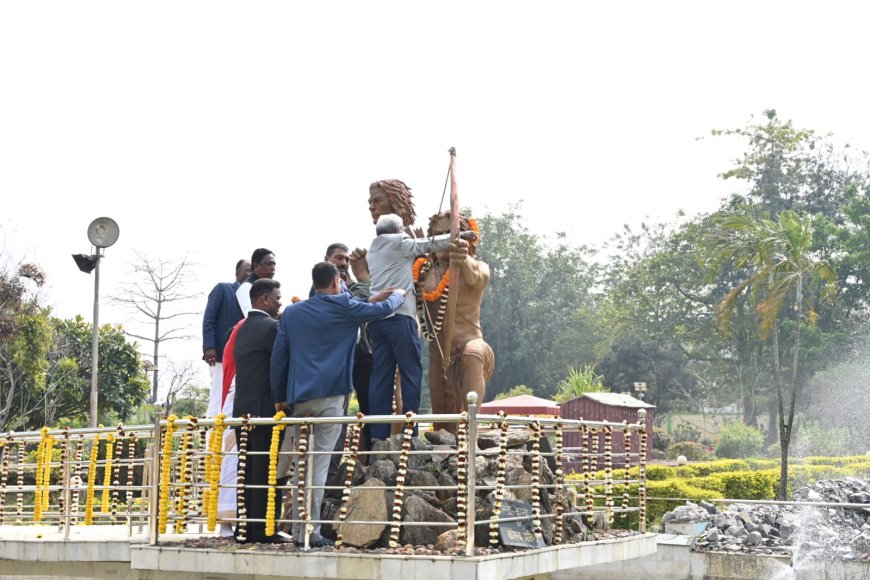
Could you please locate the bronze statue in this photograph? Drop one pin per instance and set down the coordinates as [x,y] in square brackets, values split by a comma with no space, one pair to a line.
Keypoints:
[471,358]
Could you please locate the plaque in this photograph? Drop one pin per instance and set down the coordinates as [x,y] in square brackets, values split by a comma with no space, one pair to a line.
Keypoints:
[519,533]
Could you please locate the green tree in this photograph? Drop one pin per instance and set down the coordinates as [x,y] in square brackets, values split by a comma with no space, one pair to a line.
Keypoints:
[123,384]
[532,311]
[777,252]
[515,392]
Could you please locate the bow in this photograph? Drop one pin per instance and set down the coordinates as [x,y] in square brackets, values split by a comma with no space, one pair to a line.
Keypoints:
[453,295]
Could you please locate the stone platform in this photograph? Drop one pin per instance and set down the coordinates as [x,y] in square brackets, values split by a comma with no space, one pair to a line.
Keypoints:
[100,552]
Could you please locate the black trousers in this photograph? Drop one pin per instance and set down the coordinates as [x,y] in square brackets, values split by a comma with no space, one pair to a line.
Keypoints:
[257,473]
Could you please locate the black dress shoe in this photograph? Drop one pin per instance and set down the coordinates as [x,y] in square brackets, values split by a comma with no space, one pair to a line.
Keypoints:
[276,539]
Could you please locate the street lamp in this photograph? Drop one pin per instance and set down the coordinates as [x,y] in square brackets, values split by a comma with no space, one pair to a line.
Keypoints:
[640,389]
[102,233]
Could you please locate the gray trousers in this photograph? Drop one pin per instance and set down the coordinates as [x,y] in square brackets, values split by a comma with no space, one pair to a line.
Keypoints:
[320,438]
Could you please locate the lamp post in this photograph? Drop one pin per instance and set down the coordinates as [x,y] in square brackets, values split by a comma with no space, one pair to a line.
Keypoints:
[102,233]
[640,389]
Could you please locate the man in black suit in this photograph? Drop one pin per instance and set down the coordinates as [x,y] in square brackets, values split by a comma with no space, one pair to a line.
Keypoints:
[253,353]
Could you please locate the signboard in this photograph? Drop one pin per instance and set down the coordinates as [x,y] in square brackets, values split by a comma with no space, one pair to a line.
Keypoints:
[519,533]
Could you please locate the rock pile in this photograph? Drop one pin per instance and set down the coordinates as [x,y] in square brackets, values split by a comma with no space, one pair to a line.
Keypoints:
[435,466]
[830,533]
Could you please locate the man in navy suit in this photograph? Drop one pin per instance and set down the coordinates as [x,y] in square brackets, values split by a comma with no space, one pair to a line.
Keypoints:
[253,352]
[312,366]
[221,313]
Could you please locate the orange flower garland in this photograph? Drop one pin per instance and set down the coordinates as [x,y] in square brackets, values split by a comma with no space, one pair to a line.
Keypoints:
[442,285]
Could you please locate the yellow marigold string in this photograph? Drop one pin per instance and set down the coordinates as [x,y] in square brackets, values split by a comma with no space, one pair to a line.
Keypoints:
[46,478]
[40,459]
[165,465]
[92,478]
[273,473]
[107,473]
[213,470]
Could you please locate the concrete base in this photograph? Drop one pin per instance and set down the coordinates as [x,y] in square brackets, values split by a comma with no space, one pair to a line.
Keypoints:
[107,552]
[537,564]
[674,560]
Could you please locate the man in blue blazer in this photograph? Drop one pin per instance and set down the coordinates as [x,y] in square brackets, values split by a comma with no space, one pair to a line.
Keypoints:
[312,366]
[222,312]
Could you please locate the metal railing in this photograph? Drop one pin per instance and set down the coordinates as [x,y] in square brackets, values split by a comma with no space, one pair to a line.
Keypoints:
[126,475]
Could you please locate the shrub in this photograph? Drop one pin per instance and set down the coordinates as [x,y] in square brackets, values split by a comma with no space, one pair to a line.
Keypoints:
[718,466]
[750,484]
[812,438]
[686,432]
[661,439]
[739,440]
[691,450]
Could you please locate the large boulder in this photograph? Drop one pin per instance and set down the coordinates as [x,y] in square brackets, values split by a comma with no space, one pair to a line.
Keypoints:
[364,505]
[415,509]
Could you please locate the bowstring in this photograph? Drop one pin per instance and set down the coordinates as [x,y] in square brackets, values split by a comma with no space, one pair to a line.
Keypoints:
[431,240]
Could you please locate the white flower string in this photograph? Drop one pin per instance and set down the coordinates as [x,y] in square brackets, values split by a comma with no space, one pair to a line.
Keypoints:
[77,479]
[4,475]
[500,481]
[116,472]
[131,458]
[608,473]
[462,476]
[536,478]
[19,503]
[399,495]
[354,432]
[242,526]
[300,472]
[626,441]
[589,436]
[560,487]
[641,493]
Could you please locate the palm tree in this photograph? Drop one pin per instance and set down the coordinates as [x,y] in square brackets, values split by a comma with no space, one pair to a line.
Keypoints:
[777,252]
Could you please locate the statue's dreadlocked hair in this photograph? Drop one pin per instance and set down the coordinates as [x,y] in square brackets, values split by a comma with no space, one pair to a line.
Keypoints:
[464,226]
[400,196]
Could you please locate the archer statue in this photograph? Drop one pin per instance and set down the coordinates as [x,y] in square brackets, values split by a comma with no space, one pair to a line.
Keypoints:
[471,359]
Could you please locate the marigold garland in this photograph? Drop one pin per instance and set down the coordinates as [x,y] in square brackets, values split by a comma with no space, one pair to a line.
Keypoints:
[430,328]
[213,470]
[165,472]
[300,476]
[184,476]
[536,478]
[131,457]
[19,503]
[420,269]
[4,476]
[46,478]
[274,448]
[626,441]
[587,474]
[500,480]
[40,460]
[399,495]
[64,458]
[92,478]
[608,473]
[77,479]
[107,473]
[242,527]
[641,490]
[560,487]
[462,477]
[118,452]
[354,432]
[197,504]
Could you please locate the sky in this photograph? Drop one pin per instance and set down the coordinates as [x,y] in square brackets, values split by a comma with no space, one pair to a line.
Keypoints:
[208,129]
